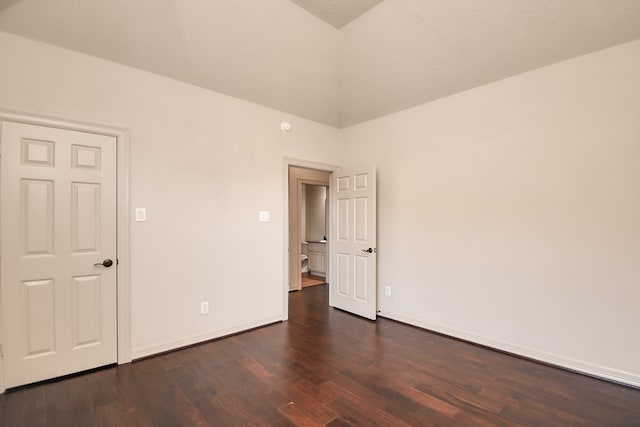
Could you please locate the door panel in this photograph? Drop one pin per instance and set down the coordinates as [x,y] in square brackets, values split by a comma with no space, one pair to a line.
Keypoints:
[353,279]
[58,219]
[85,217]
[37,214]
[342,280]
[39,321]
[87,303]
[343,219]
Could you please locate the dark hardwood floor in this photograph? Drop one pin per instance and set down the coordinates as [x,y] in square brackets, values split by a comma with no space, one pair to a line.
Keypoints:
[326,367]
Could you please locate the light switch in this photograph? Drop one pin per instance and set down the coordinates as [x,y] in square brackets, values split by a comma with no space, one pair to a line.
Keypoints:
[141,214]
[264,216]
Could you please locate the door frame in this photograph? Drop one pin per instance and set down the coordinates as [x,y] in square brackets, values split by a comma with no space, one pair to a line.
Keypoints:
[123,220]
[308,164]
[299,183]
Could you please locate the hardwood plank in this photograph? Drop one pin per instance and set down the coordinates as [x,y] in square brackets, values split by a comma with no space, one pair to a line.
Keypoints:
[358,407]
[307,403]
[311,280]
[402,408]
[24,407]
[299,417]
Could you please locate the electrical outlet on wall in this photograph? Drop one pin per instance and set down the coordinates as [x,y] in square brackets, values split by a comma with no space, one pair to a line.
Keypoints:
[204,307]
[387,290]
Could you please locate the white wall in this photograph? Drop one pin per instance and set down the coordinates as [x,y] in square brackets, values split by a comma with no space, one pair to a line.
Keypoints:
[510,214]
[203,164]
[315,201]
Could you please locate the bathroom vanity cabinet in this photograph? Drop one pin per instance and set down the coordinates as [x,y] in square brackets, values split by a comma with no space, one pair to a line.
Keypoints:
[318,258]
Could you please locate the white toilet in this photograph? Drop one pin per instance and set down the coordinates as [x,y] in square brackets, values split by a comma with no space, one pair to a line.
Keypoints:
[304,258]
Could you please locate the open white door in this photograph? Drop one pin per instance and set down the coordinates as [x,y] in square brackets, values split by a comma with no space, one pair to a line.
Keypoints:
[353,241]
[58,232]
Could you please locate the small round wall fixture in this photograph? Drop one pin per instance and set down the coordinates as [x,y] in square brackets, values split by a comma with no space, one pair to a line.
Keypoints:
[286,127]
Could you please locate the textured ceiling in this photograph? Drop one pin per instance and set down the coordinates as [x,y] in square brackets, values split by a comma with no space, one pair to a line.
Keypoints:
[396,55]
[337,12]
[403,53]
[6,3]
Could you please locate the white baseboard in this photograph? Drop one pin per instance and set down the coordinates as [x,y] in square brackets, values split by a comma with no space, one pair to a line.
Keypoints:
[152,349]
[603,372]
[2,389]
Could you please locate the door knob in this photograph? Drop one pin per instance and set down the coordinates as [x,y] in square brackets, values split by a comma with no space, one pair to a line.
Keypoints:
[370,250]
[106,263]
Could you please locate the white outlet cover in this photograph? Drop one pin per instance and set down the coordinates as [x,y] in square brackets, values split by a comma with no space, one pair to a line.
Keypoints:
[264,216]
[204,307]
[141,214]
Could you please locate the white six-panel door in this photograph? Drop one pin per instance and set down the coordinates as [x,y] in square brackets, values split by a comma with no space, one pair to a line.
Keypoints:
[57,225]
[353,241]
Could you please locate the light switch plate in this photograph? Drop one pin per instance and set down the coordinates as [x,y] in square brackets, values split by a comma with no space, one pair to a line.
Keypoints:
[141,214]
[264,216]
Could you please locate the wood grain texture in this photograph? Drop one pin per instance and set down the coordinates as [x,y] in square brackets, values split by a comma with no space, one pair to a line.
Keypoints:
[311,280]
[325,367]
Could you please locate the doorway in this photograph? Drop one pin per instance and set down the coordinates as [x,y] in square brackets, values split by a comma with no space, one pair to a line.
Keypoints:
[351,245]
[296,174]
[313,210]
[308,221]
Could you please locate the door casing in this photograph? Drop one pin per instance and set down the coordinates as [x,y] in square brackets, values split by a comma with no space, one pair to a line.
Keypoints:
[287,161]
[123,219]
[295,188]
